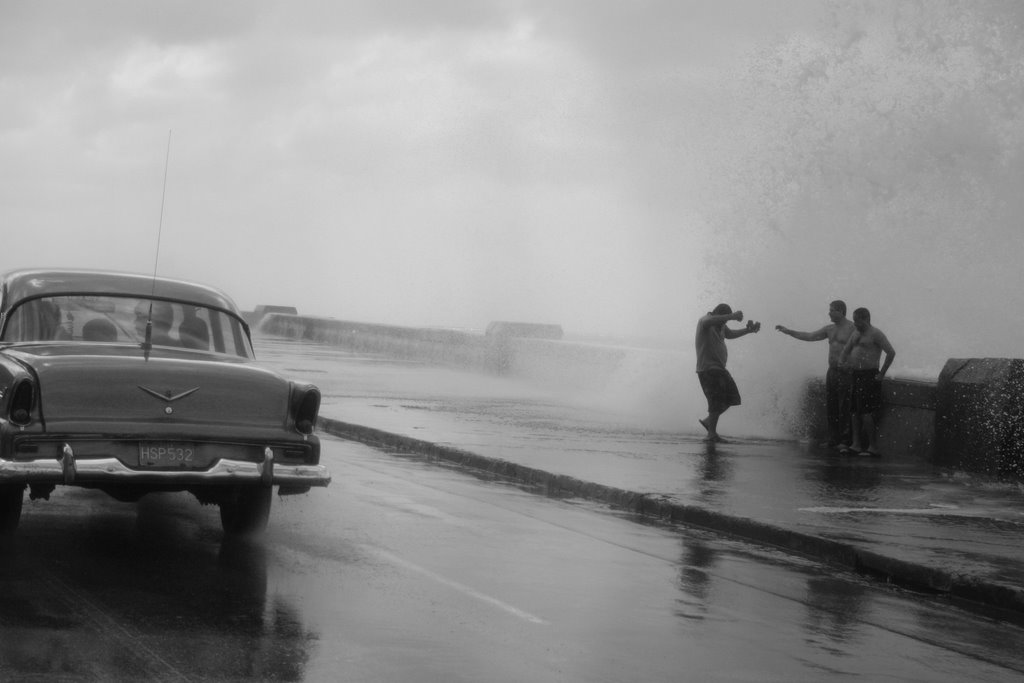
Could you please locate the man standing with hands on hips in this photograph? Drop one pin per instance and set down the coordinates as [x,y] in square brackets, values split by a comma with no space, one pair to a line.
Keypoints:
[716,382]
[863,351]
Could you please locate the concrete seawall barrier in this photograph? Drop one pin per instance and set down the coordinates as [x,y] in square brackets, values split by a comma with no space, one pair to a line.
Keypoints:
[971,419]
[524,350]
[435,345]
[254,316]
[980,416]
[906,424]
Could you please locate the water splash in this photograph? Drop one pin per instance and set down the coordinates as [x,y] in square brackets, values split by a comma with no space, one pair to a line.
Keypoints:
[878,159]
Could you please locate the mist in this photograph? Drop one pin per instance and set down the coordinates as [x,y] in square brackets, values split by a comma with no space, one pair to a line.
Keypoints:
[441,164]
[614,169]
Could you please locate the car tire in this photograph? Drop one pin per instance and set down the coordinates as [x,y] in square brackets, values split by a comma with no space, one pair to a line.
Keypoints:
[11,498]
[248,511]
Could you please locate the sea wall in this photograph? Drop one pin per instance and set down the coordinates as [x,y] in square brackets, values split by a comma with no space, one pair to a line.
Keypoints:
[971,419]
[529,351]
[906,424]
[980,416]
[436,345]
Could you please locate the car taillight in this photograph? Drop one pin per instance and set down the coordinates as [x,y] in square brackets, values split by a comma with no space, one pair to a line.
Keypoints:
[22,398]
[305,406]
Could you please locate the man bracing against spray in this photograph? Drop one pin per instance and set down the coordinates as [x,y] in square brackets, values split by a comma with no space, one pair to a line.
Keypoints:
[716,382]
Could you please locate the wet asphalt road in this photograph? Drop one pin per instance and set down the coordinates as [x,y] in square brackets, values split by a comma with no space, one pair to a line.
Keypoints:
[950,530]
[405,571]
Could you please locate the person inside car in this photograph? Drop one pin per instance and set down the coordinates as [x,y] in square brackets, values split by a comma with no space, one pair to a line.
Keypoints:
[162,317]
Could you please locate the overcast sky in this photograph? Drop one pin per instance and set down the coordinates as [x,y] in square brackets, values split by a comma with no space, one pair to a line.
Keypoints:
[427,163]
[614,167]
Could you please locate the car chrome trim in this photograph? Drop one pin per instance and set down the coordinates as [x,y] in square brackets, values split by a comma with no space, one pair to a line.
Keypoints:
[96,470]
[266,468]
[67,464]
[167,396]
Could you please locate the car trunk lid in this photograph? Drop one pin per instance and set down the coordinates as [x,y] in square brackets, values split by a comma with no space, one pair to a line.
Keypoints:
[173,388]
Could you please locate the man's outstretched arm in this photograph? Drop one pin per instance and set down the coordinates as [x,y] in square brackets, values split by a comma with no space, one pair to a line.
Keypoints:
[817,335]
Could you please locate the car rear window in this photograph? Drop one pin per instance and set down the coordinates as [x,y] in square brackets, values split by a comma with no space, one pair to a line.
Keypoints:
[123,319]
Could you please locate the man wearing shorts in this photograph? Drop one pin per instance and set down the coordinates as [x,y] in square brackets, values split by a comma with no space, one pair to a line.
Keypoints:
[716,382]
[837,379]
[862,354]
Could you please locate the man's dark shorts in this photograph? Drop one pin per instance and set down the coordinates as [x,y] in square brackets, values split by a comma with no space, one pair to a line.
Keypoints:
[720,390]
[866,392]
[838,392]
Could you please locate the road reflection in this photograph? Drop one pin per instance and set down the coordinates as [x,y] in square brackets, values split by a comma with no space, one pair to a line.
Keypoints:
[844,479]
[695,578]
[118,595]
[714,471]
[835,609]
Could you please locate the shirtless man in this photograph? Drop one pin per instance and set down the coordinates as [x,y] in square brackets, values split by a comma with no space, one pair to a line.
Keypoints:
[862,353]
[837,379]
[715,381]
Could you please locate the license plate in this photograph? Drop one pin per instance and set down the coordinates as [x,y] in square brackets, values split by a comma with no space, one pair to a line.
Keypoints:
[169,454]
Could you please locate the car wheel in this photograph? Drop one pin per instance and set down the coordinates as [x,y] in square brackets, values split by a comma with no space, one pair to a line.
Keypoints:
[11,497]
[248,511]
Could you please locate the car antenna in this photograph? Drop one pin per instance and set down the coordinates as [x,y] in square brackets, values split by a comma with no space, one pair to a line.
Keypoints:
[147,344]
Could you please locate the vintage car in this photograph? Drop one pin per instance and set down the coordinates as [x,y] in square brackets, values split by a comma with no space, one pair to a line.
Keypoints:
[132,384]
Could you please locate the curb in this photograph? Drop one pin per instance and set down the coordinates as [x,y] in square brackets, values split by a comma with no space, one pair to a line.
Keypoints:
[891,570]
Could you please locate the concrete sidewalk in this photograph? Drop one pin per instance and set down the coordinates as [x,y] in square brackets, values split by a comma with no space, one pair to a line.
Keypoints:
[901,521]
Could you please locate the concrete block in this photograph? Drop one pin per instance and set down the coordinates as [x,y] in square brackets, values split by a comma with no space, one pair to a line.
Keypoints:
[906,424]
[979,414]
[501,328]
[263,310]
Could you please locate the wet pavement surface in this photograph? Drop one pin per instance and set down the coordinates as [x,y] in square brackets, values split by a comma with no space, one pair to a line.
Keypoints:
[405,571]
[922,518]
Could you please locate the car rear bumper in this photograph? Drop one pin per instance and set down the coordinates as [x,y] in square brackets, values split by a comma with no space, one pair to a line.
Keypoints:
[67,469]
